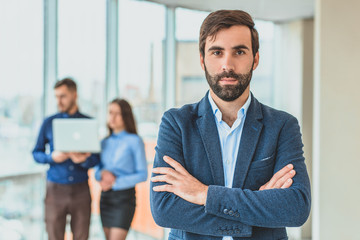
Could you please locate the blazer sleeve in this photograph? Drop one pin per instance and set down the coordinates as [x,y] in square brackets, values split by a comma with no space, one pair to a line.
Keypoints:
[171,211]
[269,208]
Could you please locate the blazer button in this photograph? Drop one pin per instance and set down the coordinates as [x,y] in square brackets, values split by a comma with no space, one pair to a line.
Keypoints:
[237,215]
[226,211]
[231,213]
[237,231]
[230,232]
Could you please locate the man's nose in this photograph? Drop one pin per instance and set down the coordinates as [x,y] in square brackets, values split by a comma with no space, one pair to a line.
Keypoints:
[228,63]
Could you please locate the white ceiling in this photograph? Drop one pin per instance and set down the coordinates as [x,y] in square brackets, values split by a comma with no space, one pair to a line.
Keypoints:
[273,10]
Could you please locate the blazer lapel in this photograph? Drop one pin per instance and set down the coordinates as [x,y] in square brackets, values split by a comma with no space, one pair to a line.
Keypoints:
[210,138]
[249,139]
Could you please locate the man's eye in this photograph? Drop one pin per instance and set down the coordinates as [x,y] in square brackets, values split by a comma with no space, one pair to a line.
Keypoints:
[240,52]
[216,53]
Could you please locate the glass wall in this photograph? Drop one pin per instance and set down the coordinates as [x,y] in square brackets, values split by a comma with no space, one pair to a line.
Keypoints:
[21,87]
[141,41]
[191,84]
[21,76]
[262,83]
[82,50]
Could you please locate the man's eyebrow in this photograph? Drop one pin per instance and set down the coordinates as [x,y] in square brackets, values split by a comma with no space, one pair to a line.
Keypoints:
[215,48]
[240,47]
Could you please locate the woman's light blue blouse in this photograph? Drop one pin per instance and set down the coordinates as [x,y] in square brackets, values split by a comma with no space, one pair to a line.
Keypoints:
[123,154]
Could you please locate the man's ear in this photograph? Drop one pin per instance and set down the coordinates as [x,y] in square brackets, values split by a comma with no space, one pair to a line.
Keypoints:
[256,60]
[202,62]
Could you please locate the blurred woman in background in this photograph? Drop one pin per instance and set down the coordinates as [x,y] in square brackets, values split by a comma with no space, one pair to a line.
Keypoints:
[122,166]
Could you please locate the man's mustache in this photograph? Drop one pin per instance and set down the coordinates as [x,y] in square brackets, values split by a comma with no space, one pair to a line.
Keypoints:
[230,74]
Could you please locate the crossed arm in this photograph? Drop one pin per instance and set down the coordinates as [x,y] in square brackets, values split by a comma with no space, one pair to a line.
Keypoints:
[283,201]
[182,184]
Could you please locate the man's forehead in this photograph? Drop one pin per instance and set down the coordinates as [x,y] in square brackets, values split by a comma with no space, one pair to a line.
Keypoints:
[235,35]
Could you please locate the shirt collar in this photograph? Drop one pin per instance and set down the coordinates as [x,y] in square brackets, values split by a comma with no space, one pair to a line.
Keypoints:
[119,134]
[218,115]
[66,115]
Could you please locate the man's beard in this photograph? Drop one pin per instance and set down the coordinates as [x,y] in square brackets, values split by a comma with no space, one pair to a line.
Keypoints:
[229,92]
[67,110]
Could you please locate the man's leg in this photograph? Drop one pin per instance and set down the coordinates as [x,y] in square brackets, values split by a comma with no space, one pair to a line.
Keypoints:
[55,211]
[80,211]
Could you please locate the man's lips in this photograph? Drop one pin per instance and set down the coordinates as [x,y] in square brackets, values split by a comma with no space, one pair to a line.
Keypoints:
[226,80]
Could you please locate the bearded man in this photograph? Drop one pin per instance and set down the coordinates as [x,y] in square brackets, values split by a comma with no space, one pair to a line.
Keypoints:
[229,167]
[67,189]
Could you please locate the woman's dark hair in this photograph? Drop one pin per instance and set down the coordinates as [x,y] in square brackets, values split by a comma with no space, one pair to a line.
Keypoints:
[126,114]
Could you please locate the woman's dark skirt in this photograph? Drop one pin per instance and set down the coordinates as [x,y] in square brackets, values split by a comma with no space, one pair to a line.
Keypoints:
[117,208]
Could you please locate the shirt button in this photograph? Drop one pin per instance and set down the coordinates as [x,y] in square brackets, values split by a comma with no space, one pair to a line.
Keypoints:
[228,162]
[71,178]
[71,167]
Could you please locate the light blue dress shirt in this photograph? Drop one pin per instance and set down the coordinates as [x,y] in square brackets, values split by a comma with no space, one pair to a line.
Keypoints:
[123,154]
[229,140]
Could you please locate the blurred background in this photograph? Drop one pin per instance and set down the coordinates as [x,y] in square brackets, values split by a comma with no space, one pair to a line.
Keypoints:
[147,52]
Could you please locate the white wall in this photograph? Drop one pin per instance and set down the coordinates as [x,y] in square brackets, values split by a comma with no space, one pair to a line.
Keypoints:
[336,120]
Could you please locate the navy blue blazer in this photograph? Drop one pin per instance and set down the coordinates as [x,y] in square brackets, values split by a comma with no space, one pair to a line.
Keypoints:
[271,139]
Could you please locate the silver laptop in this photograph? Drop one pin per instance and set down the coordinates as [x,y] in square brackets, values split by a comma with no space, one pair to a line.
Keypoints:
[76,135]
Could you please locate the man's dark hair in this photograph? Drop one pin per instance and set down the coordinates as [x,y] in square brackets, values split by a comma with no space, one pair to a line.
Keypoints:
[221,19]
[68,82]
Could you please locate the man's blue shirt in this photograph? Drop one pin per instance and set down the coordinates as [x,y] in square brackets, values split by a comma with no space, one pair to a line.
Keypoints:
[66,172]
[229,140]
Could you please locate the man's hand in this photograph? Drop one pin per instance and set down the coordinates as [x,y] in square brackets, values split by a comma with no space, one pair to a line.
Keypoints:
[281,179]
[107,180]
[79,157]
[179,182]
[59,157]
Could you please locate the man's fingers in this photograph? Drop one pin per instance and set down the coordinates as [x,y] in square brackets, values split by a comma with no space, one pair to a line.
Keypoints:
[282,172]
[263,187]
[163,188]
[284,179]
[164,170]
[287,183]
[163,178]
[176,165]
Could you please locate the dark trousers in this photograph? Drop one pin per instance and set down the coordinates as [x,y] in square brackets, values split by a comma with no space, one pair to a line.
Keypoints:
[64,199]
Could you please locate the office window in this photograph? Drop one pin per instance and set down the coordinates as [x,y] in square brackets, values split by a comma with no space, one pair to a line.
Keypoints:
[82,50]
[21,87]
[262,83]
[21,76]
[141,41]
[191,84]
